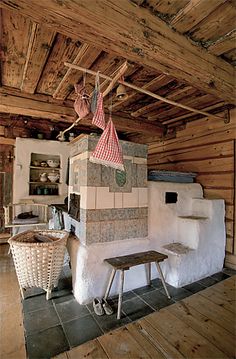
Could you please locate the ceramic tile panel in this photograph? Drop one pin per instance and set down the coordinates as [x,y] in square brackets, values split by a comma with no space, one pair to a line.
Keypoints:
[134,175]
[94,174]
[140,161]
[143,197]
[132,228]
[79,146]
[107,231]
[141,175]
[88,197]
[130,199]
[104,198]
[118,200]
[93,232]
[114,187]
[106,174]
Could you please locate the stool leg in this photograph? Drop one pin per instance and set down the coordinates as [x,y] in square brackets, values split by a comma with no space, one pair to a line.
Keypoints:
[120,293]
[22,292]
[110,283]
[149,273]
[162,279]
[49,293]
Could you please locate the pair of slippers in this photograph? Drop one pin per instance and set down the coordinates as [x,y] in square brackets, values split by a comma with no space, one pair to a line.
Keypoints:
[101,307]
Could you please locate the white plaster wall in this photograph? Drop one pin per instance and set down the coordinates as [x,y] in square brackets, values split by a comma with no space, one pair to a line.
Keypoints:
[23,149]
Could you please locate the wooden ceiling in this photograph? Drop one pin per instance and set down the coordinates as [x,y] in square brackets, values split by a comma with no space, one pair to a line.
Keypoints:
[191,63]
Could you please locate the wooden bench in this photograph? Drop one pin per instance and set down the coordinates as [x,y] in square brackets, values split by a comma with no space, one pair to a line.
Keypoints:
[123,263]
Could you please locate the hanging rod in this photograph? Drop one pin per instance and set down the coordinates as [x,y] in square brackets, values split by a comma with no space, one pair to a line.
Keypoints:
[146,92]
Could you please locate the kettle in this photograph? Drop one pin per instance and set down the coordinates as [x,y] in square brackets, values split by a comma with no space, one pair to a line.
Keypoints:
[43,177]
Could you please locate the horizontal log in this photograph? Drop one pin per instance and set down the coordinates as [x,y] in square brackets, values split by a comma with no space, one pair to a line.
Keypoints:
[156,44]
[28,106]
[222,180]
[215,193]
[200,152]
[211,165]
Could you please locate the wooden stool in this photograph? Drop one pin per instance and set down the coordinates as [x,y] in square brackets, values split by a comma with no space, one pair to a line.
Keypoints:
[123,263]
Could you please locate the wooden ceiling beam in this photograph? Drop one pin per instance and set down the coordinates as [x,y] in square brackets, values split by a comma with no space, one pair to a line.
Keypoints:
[86,56]
[134,33]
[23,104]
[40,43]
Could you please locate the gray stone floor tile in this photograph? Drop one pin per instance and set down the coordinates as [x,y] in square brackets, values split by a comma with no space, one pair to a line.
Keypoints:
[40,320]
[220,276]
[70,309]
[46,344]
[194,287]
[109,322]
[145,289]
[81,330]
[36,303]
[176,293]
[135,308]
[156,299]
[207,282]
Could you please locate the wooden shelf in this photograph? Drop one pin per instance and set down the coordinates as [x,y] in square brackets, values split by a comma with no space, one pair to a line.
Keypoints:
[194,217]
[45,183]
[45,168]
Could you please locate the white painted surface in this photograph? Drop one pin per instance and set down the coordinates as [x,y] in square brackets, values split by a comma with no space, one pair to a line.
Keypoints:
[90,274]
[23,149]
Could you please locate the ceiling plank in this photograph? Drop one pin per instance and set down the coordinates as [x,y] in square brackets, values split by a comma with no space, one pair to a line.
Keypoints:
[224,44]
[25,104]
[209,29]
[169,7]
[193,13]
[191,115]
[86,56]
[16,32]
[175,95]
[64,49]
[152,85]
[125,24]
[40,43]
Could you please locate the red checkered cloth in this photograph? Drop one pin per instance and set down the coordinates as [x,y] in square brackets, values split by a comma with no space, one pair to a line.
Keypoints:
[108,151]
[99,115]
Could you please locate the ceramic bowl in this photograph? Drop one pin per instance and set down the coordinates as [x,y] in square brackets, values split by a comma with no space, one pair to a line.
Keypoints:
[53,163]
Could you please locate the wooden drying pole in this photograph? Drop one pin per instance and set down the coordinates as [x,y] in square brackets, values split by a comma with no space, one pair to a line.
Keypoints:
[120,72]
[139,89]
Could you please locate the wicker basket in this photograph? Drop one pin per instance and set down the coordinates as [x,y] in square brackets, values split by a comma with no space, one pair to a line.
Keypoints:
[38,264]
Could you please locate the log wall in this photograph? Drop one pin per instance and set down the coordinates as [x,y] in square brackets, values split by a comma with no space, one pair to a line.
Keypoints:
[207,147]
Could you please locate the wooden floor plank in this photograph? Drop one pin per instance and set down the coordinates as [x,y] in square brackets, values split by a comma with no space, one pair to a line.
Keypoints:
[141,336]
[120,344]
[89,350]
[217,335]
[158,340]
[185,339]
[221,298]
[201,326]
[213,311]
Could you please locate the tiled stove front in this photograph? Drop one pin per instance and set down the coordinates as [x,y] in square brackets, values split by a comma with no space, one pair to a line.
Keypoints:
[113,216]
[113,205]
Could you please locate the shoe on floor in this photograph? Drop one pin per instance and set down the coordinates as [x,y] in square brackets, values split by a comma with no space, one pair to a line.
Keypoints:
[97,306]
[107,308]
